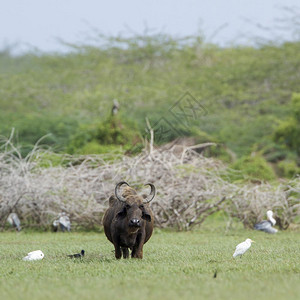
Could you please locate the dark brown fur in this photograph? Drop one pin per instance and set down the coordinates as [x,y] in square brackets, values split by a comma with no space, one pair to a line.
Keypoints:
[116,222]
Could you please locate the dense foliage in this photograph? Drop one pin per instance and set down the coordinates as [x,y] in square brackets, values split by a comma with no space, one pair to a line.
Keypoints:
[246,93]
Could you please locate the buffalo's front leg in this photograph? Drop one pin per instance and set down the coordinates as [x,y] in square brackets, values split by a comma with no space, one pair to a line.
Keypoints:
[137,250]
[137,253]
[125,252]
[118,253]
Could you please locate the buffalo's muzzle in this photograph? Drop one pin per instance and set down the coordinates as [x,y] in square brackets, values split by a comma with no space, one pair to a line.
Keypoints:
[134,223]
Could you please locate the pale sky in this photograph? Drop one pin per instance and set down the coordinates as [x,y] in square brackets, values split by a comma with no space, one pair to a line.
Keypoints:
[39,23]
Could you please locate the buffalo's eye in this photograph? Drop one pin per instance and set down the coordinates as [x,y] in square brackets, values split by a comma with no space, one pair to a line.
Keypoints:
[141,206]
[127,206]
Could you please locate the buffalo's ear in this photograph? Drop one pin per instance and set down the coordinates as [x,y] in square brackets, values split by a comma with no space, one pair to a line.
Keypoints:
[146,217]
[112,200]
[121,214]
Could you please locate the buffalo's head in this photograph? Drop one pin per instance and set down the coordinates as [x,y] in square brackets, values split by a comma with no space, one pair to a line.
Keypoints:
[135,208]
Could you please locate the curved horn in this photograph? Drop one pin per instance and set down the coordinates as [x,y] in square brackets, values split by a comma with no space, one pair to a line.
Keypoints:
[152,193]
[117,190]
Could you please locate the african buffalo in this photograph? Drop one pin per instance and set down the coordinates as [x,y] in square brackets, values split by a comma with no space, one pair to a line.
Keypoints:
[128,222]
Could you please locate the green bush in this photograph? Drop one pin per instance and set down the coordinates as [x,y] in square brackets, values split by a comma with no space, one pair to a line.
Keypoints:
[53,131]
[201,136]
[296,106]
[110,135]
[219,150]
[288,131]
[49,159]
[117,132]
[85,134]
[288,168]
[94,147]
[272,151]
[253,168]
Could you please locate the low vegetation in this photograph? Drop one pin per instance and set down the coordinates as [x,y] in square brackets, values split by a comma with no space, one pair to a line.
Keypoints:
[175,266]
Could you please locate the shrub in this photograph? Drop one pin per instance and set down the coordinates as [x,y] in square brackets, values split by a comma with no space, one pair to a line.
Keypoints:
[288,132]
[113,131]
[272,151]
[107,136]
[49,159]
[288,168]
[253,168]
[94,147]
[32,127]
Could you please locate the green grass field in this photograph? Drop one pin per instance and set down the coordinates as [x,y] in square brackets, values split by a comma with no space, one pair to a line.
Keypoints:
[175,266]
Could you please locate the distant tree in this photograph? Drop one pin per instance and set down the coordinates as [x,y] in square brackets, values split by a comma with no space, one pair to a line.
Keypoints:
[288,131]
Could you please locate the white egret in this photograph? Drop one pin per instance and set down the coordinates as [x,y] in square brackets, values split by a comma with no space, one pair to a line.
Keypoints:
[267,226]
[34,255]
[242,247]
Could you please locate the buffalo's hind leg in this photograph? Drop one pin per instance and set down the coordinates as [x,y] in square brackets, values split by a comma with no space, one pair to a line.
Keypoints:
[125,252]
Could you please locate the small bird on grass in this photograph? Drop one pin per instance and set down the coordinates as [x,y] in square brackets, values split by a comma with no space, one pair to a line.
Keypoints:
[34,255]
[77,255]
[242,248]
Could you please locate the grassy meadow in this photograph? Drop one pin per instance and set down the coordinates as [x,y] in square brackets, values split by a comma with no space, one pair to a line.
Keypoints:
[176,265]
